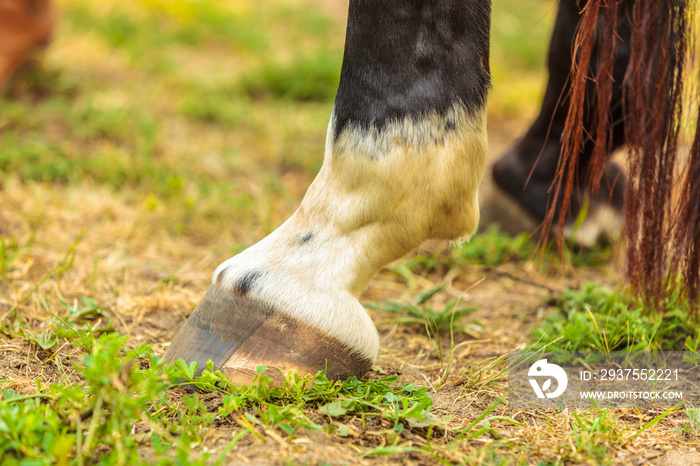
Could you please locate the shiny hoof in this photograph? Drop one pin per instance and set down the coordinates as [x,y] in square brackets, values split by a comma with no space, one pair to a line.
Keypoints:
[601,223]
[499,209]
[238,334]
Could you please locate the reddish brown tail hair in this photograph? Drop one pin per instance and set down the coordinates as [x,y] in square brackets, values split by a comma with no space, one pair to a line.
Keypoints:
[662,217]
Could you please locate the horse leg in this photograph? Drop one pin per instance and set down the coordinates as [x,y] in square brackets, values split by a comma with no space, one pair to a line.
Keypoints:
[526,172]
[404,155]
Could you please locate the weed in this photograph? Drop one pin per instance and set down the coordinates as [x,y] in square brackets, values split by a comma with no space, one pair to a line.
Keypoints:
[31,430]
[479,426]
[95,421]
[482,425]
[592,437]
[484,373]
[284,406]
[421,263]
[595,318]
[691,427]
[90,422]
[435,321]
[494,247]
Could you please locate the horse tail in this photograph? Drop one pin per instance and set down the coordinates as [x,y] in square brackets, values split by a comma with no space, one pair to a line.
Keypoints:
[662,216]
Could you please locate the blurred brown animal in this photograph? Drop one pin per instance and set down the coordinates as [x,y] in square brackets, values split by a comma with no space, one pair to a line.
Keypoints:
[25,28]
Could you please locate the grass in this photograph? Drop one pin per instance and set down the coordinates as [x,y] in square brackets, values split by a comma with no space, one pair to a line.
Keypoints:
[127,409]
[596,318]
[593,436]
[93,421]
[125,391]
[691,427]
[435,322]
[161,137]
[493,247]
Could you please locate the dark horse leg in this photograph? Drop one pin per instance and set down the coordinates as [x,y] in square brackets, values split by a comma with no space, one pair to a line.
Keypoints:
[405,152]
[526,173]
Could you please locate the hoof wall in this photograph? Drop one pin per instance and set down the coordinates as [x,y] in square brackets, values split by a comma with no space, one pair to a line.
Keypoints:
[603,222]
[498,208]
[238,334]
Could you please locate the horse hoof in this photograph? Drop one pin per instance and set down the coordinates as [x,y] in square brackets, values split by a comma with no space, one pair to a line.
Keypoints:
[499,209]
[238,334]
[602,221]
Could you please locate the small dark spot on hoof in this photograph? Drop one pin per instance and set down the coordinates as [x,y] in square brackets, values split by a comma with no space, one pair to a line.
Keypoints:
[244,284]
[306,237]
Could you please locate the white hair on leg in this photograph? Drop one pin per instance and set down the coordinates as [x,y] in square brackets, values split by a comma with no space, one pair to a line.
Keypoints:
[379,194]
